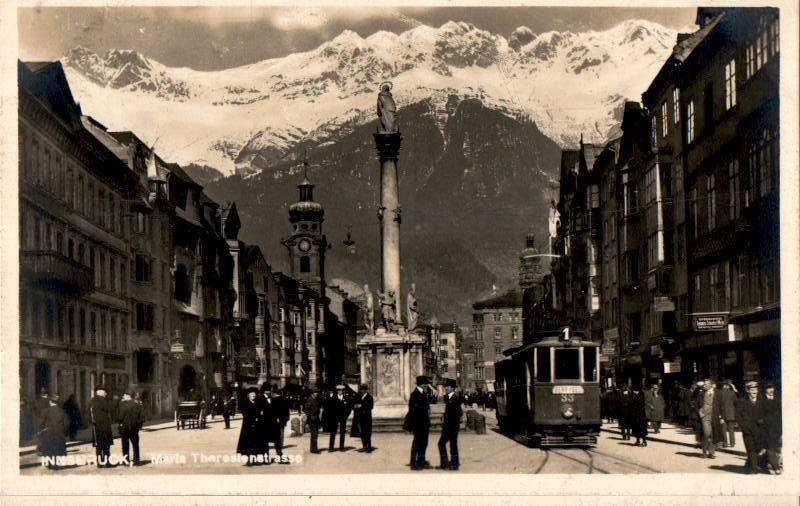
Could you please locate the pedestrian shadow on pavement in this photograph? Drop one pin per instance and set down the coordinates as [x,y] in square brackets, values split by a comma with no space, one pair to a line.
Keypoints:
[691,454]
[730,468]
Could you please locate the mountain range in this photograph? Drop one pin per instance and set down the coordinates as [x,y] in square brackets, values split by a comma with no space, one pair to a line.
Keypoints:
[483,119]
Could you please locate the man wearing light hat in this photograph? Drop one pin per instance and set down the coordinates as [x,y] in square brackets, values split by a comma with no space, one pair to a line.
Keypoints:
[337,409]
[450,426]
[418,421]
[131,419]
[749,417]
[100,415]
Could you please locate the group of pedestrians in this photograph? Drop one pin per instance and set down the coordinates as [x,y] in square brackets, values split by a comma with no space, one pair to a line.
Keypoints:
[418,422]
[332,413]
[713,411]
[57,422]
[264,416]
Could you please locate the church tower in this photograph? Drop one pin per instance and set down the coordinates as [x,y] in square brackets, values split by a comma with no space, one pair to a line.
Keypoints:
[307,243]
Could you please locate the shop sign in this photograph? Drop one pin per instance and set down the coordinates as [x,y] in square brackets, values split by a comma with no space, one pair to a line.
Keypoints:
[710,322]
[663,305]
[672,367]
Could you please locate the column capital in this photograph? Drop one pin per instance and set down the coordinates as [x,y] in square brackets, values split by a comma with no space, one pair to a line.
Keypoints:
[388,145]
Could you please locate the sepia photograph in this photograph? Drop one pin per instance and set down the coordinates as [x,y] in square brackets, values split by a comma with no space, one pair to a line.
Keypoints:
[427,244]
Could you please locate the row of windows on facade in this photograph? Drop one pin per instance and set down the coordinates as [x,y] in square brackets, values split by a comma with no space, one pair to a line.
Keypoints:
[498,317]
[42,165]
[41,234]
[42,318]
[757,53]
[498,333]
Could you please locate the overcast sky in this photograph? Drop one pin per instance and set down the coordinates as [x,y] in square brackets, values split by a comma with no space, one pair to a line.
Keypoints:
[210,38]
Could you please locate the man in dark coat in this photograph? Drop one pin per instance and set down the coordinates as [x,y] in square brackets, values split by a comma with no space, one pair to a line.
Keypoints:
[40,405]
[450,425]
[271,420]
[74,414]
[749,417]
[638,416]
[772,434]
[282,408]
[337,409]
[131,419]
[100,416]
[418,421]
[362,416]
[727,406]
[655,407]
[53,431]
[252,441]
[312,410]
[624,413]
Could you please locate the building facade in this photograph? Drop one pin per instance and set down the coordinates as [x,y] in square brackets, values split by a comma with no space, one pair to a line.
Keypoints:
[496,327]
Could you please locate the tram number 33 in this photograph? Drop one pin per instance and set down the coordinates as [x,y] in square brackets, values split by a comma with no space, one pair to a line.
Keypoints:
[567,397]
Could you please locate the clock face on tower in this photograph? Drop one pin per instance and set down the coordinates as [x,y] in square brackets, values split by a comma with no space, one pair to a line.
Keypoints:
[304,245]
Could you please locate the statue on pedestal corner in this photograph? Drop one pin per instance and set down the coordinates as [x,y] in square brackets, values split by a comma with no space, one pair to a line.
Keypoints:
[387,110]
[412,313]
[388,310]
[369,312]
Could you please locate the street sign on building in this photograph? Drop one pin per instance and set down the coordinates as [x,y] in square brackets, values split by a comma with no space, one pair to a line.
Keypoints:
[710,322]
[672,367]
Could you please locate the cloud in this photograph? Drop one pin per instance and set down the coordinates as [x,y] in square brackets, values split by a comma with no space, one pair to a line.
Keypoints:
[299,18]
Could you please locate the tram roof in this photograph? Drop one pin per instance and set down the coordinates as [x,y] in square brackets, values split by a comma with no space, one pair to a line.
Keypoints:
[549,339]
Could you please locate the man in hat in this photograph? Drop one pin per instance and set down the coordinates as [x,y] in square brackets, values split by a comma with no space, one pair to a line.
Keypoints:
[270,420]
[418,421]
[749,417]
[281,409]
[312,410]
[131,419]
[450,426]
[337,409]
[772,437]
[53,431]
[362,416]
[100,415]
[727,404]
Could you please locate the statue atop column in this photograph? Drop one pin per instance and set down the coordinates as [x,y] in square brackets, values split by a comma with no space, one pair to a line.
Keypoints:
[369,312]
[387,110]
[388,310]
[412,313]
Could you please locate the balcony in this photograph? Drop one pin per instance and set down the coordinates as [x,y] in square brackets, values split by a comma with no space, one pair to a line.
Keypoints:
[56,271]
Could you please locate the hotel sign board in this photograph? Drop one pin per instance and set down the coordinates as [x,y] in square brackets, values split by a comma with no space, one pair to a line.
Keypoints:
[710,322]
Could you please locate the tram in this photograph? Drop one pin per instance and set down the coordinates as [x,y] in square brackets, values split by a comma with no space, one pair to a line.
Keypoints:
[549,390]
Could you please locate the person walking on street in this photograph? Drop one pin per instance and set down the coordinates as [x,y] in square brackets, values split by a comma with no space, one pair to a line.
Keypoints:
[131,419]
[271,420]
[749,417]
[638,416]
[710,419]
[655,408]
[625,413]
[418,422]
[282,415]
[53,432]
[312,410]
[100,416]
[227,410]
[450,425]
[252,441]
[772,437]
[337,410]
[727,406]
[362,416]
[74,414]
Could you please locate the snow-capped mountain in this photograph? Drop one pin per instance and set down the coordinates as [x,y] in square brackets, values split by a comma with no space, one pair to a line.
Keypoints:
[250,117]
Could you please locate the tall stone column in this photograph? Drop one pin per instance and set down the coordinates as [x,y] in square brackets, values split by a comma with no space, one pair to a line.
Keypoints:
[388,146]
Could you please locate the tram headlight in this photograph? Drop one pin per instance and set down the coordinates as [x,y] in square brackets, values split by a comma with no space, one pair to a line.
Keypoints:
[567,411]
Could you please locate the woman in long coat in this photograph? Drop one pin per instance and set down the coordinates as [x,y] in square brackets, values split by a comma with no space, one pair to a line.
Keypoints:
[638,416]
[655,408]
[53,435]
[251,440]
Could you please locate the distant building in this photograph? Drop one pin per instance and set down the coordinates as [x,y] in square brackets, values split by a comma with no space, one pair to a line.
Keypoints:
[496,326]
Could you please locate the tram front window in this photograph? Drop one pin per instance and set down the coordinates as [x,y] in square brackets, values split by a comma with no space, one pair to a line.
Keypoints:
[568,364]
